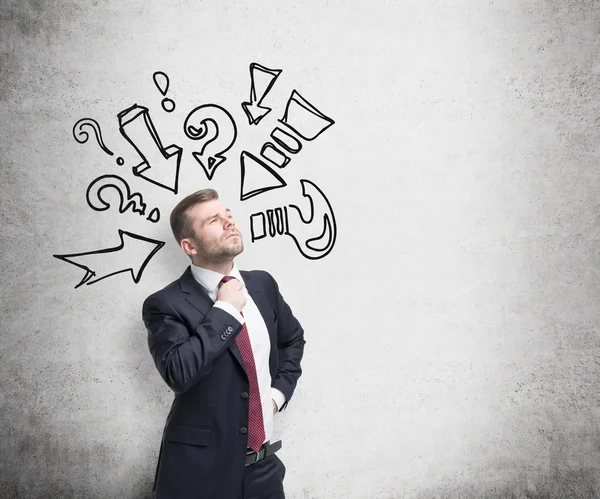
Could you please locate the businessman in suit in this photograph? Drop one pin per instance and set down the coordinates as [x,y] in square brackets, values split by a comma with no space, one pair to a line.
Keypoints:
[227,344]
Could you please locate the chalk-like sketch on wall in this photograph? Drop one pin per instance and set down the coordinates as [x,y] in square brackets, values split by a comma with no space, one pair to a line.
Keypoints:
[314,234]
[215,129]
[82,136]
[274,155]
[159,165]
[257,176]
[286,140]
[262,80]
[161,80]
[304,118]
[127,198]
[300,120]
[213,132]
[132,255]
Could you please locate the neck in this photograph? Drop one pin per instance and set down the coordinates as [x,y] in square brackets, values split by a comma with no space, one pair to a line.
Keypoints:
[220,267]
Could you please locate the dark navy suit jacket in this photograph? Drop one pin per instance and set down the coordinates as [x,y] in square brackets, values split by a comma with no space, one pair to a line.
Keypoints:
[204,441]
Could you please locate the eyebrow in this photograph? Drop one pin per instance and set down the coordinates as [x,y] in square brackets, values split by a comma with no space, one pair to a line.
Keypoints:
[215,215]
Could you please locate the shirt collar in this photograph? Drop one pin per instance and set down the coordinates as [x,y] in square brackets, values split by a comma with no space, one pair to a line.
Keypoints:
[209,279]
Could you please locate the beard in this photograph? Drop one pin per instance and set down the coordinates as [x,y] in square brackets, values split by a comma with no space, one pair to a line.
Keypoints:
[219,251]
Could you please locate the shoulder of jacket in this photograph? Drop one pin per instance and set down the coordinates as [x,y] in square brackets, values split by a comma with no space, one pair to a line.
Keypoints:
[166,293]
[264,277]
[261,274]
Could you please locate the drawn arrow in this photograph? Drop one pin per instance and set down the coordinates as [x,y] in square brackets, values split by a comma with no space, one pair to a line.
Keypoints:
[107,262]
[160,165]
[261,81]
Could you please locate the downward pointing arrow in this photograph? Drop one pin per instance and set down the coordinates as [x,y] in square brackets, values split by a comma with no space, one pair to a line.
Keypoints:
[255,112]
[262,79]
[133,254]
[160,165]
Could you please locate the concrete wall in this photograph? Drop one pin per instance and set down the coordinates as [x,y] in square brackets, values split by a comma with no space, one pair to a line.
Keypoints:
[453,336]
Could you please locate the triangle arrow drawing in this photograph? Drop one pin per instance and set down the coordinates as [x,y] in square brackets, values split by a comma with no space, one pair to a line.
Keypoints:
[132,255]
[262,80]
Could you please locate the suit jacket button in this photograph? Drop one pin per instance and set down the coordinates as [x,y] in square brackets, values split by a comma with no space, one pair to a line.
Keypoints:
[223,337]
[243,430]
[244,395]
[229,329]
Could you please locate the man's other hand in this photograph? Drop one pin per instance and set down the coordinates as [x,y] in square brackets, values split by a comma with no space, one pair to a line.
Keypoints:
[232,292]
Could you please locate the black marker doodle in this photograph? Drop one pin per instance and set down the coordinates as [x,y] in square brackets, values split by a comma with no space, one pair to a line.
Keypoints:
[261,78]
[128,200]
[302,230]
[258,226]
[159,165]
[301,118]
[82,136]
[304,118]
[106,262]
[211,125]
[286,140]
[274,155]
[161,80]
[254,176]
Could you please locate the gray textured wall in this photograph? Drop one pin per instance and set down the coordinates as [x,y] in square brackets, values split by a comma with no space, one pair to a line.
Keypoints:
[453,337]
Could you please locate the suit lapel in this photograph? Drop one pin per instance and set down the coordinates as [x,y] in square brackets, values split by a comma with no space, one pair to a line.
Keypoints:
[199,299]
[262,301]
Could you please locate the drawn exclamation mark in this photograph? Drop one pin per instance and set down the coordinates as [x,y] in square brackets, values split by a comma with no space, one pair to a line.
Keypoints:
[161,80]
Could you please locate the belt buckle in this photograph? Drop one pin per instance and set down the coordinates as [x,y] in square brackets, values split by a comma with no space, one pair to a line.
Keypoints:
[257,457]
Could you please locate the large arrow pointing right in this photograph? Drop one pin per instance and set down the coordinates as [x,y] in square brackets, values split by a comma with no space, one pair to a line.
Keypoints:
[133,254]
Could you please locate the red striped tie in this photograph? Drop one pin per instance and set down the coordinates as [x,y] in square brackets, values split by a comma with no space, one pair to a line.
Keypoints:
[256,426]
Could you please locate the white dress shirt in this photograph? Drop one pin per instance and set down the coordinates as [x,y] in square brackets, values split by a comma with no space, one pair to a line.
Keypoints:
[259,338]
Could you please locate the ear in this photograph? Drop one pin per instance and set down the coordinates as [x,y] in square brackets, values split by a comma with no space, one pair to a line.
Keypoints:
[188,247]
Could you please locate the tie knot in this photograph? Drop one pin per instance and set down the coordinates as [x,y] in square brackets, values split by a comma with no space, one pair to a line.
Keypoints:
[227,278]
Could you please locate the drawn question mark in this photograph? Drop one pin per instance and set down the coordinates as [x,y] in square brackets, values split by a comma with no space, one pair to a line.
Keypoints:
[82,136]
[128,200]
[161,80]
[213,126]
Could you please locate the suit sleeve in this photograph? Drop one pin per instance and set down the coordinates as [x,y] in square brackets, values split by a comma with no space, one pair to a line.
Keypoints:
[183,356]
[290,347]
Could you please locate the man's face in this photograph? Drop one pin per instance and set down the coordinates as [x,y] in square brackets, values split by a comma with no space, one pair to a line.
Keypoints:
[216,236]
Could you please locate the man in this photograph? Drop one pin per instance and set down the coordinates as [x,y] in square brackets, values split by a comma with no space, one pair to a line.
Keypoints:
[226,342]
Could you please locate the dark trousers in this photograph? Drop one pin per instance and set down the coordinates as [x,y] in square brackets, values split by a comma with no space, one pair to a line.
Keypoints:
[264,480]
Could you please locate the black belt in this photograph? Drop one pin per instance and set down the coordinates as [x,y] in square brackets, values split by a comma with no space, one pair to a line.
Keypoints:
[266,450]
